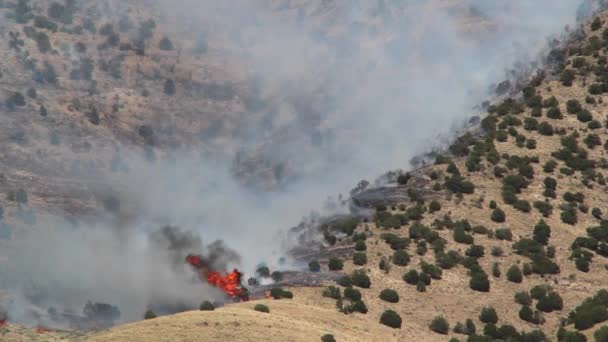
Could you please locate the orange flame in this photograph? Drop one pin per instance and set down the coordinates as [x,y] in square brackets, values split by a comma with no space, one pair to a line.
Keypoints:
[2,322]
[230,283]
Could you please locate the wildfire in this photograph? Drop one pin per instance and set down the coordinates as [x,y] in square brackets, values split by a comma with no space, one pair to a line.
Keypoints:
[230,283]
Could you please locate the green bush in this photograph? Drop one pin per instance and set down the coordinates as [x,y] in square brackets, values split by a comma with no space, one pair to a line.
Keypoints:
[504,234]
[590,312]
[352,294]
[389,295]
[361,279]
[261,308]
[360,246]
[149,314]
[345,281]
[514,274]
[542,232]
[545,129]
[206,306]
[488,315]
[411,277]
[434,206]
[601,334]
[328,338]
[475,251]
[401,258]
[523,298]
[391,318]
[314,266]
[279,293]
[440,325]
[359,259]
[573,106]
[584,116]
[335,264]
[496,270]
[479,281]
[498,215]
[332,292]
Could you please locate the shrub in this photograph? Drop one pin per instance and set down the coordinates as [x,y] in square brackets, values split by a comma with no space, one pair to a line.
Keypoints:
[359,259]
[497,251]
[545,129]
[479,282]
[261,308]
[314,266]
[542,232]
[345,281]
[573,106]
[496,270]
[440,325]
[567,77]
[149,314]
[584,116]
[514,274]
[523,298]
[498,215]
[389,295]
[591,311]
[461,236]
[328,338]
[434,206]
[391,318]
[475,251]
[549,166]
[592,140]
[550,302]
[166,44]
[401,258]
[361,279]
[411,277]
[526,314]
[568,216]
[332,292]
[554,113]
[488,315]
[276,276]
[352,294]
[504,234]
[279,293]
[360,246]
[601,335]
[207,306]
[335,264]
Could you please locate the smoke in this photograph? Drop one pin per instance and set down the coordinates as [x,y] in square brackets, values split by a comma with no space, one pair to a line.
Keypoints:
[347,89]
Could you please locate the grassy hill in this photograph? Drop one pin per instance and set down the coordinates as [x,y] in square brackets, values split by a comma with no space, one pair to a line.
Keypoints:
[537,188]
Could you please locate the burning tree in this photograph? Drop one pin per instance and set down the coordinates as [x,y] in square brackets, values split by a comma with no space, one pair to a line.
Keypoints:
[229,283]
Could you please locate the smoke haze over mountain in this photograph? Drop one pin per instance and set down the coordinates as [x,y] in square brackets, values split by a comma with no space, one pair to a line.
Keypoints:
[349,90]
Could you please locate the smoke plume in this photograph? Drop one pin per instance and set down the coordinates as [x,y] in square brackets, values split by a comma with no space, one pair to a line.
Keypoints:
[348,90]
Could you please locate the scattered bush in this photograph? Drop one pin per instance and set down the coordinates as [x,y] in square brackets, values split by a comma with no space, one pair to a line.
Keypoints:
[359,259]
[488,315]
[389,295]
[514,274]
[149,314]
[328,338]
[314,266]
[335,264]
[332,292]
[440,325]
[352,294]
[391,318]
[261,308]
[361,279]
[207,306]
[498,215]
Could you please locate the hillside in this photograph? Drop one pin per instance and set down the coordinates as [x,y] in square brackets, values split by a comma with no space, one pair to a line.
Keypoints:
[556,131]
[512,216]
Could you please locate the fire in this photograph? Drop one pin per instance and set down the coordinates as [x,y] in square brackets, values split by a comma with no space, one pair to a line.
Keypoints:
[230,283]
[2,322]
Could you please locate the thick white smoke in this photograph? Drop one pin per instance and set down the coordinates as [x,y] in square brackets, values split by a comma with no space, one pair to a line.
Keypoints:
[374,81]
